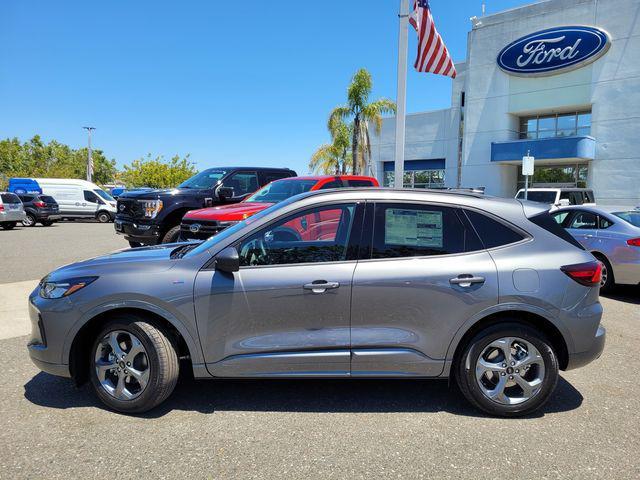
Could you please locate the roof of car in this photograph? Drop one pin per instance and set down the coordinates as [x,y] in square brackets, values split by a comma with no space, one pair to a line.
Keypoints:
[599,208]
[401,191]
[284,169]
[326,177]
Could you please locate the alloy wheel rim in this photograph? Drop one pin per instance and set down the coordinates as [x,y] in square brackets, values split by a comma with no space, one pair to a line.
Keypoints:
[510,370]
[604,273]
[28,221]
[122,365]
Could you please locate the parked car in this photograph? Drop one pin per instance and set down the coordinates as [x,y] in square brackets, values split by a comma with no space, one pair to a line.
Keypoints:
[39,209]
[11,210]
[406,283]
[75,198]
[149,217]
[612,235]
[559,196]
[201,224]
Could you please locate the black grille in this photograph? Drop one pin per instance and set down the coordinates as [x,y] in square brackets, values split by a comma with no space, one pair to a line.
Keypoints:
[206,229]
[129,207]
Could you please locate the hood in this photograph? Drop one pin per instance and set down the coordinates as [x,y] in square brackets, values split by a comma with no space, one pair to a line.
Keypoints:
[161,192]
[150,259]
[235,211]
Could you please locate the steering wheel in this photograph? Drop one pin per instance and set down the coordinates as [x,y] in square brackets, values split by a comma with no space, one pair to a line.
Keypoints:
[256,253]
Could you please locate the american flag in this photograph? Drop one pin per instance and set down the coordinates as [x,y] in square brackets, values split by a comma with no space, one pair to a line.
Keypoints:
[433,56]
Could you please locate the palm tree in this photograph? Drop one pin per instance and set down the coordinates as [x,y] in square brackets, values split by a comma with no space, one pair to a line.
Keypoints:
[333,158]
[362,113]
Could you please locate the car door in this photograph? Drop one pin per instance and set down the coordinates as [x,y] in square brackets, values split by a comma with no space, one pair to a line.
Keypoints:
[423,276]
[287,310]
[583,226]
[90,203]
[243,183]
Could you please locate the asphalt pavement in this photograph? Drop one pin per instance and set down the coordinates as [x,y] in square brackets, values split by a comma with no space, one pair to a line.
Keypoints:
[312,428]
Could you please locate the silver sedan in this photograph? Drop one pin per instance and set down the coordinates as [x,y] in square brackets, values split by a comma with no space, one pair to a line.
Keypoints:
[611,234]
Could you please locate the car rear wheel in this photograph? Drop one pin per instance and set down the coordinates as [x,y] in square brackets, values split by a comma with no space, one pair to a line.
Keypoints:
[134,365]
[608,281]
[172,236]
[508,370]
[9,225]
[103,217]
[29,220]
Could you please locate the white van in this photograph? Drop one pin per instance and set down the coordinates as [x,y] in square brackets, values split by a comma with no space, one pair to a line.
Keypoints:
[79,198]
[559,196]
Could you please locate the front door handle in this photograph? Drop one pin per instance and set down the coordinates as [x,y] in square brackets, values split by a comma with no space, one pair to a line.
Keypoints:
[320,286]
[588,235]
[465,280]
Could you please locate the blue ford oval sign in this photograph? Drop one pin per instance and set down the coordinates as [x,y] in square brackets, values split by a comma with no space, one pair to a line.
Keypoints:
[554,50]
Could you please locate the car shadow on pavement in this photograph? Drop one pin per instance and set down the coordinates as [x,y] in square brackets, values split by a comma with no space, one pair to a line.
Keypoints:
[625,293]
[310,396]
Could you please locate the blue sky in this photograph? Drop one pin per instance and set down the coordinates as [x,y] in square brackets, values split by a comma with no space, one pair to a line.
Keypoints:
[247,83]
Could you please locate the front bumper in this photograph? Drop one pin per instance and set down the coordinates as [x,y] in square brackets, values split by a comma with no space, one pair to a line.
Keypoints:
[134,231]
[580,359]
[48,336]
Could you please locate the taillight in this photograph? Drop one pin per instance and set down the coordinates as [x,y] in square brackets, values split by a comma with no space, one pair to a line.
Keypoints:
[588,274]
[1,208]
[634,242]
[39,204]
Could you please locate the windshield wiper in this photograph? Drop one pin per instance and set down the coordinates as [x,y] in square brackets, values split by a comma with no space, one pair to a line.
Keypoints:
[182,250]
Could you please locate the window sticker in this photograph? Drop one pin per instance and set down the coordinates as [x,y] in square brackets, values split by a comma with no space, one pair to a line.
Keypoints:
[417,228]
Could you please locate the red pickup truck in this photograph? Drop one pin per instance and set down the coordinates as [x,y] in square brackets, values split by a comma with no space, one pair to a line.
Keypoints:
[202,224]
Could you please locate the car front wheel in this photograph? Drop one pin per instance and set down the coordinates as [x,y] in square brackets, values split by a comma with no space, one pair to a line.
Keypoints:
[134,365]
[508,370]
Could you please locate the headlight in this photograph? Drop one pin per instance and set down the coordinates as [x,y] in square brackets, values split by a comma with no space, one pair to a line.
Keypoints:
[151,207]
[63,288]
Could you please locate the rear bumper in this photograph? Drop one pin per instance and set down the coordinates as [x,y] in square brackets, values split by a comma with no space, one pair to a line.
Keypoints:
[12,216]
[147,234]
[580,359]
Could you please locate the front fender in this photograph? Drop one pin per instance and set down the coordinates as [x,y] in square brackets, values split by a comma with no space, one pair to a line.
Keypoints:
[193,345]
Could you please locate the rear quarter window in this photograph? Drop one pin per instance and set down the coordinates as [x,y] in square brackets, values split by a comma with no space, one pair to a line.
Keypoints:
[545,221]
[360,183]
[492,232]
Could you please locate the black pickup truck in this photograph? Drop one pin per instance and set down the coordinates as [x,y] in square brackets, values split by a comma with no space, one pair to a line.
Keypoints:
[149,217]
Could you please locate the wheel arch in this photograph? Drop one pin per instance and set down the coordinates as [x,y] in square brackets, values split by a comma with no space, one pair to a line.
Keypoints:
[598,254]
[80,347]
[517,314]
[173,218]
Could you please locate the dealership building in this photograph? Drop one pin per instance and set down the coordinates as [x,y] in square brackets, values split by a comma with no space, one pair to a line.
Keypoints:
[559,79]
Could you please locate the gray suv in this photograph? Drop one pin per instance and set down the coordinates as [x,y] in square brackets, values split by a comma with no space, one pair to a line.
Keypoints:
[360,283]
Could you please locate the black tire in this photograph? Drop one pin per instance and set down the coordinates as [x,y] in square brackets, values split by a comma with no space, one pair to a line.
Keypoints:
[47,223]
[9,225]
[134,244]
[29,221]
[163,364]
[465,369]
[172,236]
[607,274]
[103,217]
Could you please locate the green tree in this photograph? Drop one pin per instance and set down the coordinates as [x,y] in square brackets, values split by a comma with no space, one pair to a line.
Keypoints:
[361,112]
[158,172]
[34,158]
[334,158]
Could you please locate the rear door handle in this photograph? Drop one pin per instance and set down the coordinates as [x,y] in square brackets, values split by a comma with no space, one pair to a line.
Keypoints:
[320,286]
[466,280]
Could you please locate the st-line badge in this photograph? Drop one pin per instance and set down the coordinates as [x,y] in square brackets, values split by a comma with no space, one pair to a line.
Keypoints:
[554,50]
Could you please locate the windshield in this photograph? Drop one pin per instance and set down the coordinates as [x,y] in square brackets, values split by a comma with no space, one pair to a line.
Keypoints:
[203,180]
[104,195]
[537,196]
[281,190]
[632,216]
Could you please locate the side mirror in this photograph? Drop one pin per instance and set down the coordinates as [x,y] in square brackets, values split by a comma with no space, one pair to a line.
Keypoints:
[228,260]
[225,193]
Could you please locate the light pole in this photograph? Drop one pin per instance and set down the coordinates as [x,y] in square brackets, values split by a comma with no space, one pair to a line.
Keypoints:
[89,159]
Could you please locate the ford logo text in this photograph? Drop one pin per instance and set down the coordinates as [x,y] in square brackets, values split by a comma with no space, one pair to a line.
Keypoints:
[554,50]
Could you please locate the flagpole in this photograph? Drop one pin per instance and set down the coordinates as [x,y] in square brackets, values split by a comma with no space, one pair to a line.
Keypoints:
[401,100]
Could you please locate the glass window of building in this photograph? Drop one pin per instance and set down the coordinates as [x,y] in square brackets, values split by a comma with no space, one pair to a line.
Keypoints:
[417,178]
[556,125]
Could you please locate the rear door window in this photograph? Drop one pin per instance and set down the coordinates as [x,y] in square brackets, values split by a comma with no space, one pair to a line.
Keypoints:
[416,230]
[584,221]
[332,184]
[243,183]
[272,176]
[492,232]
[561,218]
